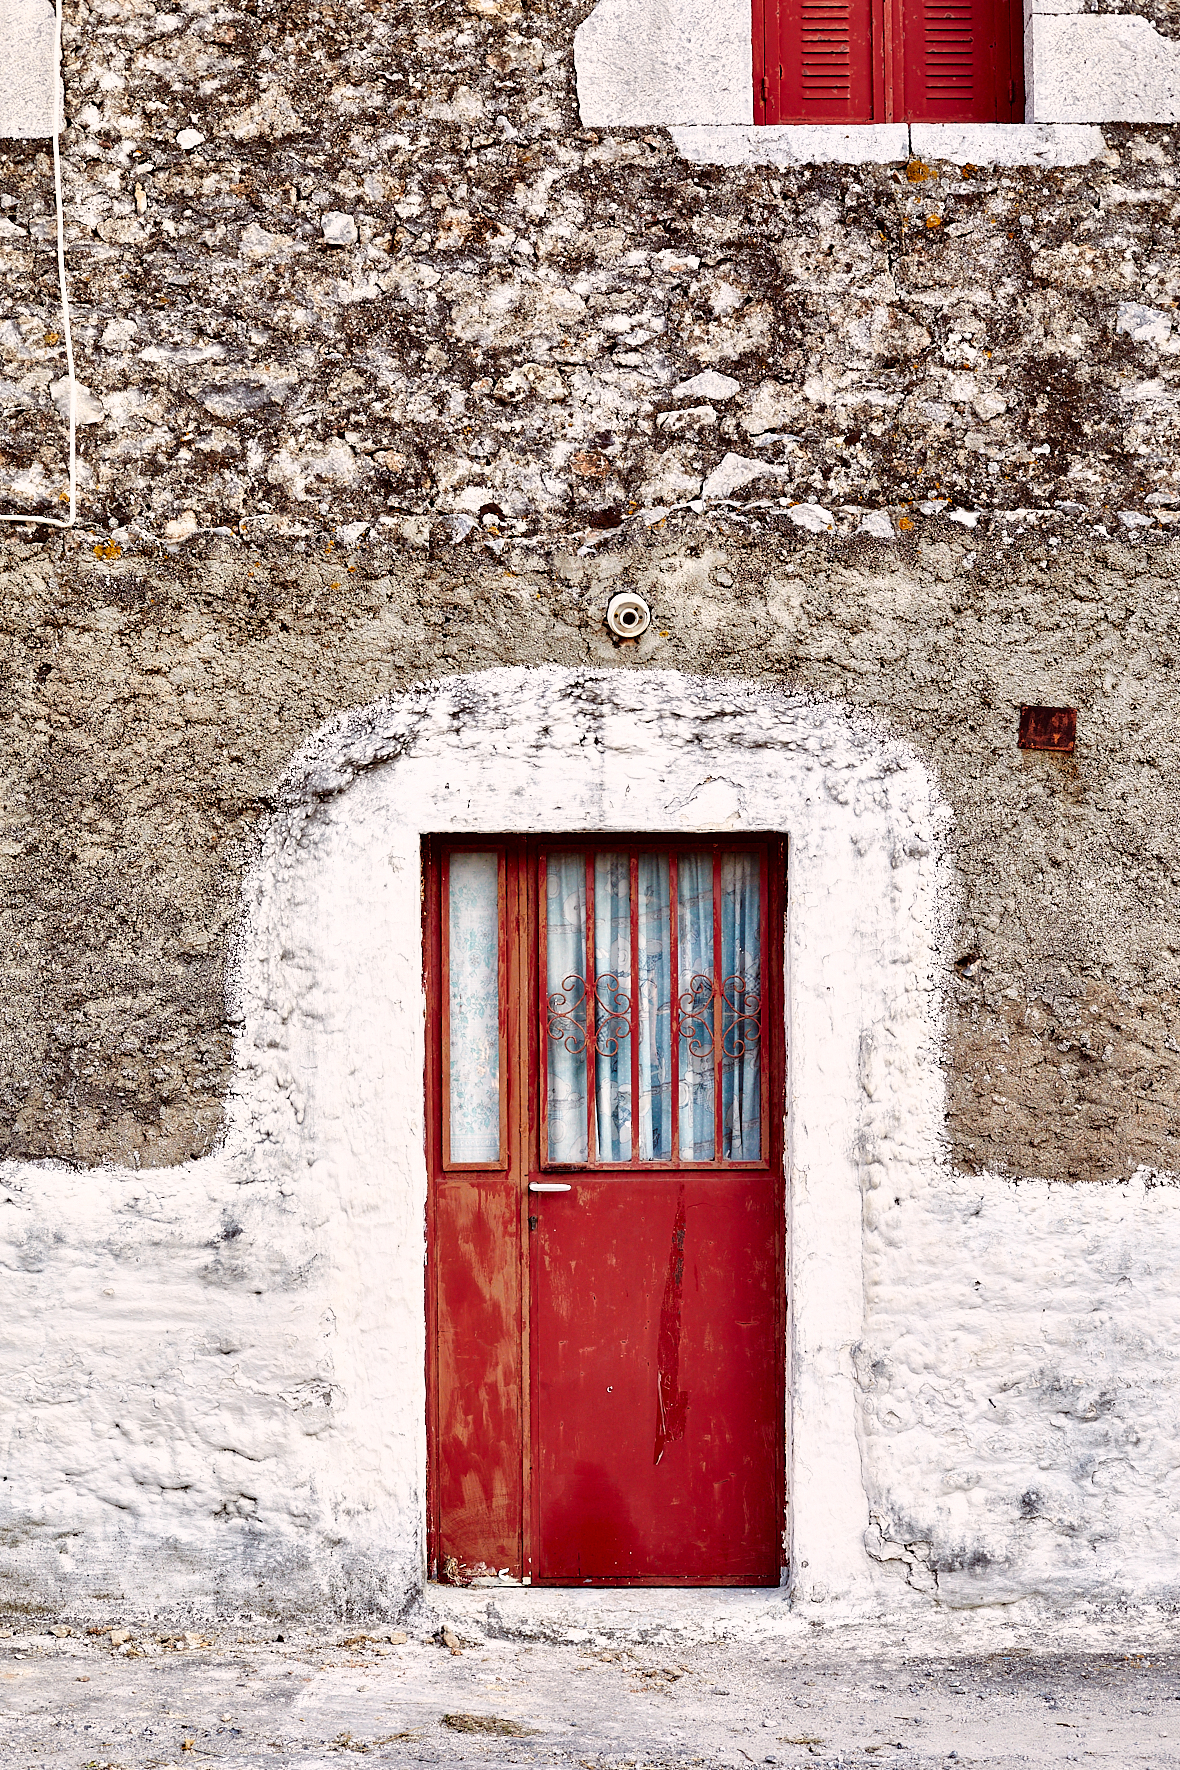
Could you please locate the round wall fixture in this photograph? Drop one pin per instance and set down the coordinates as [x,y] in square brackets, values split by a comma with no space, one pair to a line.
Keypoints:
[627,615]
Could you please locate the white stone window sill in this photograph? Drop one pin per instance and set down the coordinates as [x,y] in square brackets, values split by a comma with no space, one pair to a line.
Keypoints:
[808,144]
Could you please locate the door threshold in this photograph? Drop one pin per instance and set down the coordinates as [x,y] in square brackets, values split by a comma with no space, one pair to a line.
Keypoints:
[612,1615]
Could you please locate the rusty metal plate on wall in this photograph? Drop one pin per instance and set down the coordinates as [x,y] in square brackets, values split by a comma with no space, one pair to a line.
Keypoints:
[1048,728]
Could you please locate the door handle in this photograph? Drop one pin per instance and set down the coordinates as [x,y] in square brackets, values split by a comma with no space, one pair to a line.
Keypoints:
[549,1186]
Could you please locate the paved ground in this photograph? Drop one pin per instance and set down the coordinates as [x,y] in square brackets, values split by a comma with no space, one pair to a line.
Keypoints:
[814,1698]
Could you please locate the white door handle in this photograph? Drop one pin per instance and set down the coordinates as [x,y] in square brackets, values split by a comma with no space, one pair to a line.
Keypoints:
[549,1186]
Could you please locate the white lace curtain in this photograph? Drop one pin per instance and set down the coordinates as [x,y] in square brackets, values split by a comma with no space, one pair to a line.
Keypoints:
[473,946]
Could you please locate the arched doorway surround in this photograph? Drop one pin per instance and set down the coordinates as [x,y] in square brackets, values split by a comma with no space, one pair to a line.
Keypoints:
[331,1050]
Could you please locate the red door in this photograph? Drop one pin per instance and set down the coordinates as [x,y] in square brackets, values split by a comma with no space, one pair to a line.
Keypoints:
[606,1225]
[657,1385]
[885,61]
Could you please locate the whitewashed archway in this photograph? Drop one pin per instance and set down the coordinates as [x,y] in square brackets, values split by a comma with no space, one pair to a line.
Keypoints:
[338,896]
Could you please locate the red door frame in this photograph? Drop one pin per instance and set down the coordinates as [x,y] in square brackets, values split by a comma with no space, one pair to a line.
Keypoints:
[521,912]
[888,65]
[495,1180]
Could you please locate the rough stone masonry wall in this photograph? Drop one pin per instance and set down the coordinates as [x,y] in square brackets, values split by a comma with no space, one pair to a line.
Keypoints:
[151,711]
[395,284]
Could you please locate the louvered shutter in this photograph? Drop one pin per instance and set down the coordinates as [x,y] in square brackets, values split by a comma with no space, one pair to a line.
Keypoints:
[818,64]
[864,61]
[956,61]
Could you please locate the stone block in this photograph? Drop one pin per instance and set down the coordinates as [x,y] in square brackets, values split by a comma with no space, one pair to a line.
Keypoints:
[1113,68]
[28,35]
[1007,144]
[664,61]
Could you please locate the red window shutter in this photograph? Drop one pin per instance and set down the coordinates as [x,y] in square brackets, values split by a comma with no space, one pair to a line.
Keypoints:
[818,65]
[957,61]
[860,61]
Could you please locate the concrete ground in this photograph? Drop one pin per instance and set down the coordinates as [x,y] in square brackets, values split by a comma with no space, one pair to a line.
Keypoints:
[942,1688]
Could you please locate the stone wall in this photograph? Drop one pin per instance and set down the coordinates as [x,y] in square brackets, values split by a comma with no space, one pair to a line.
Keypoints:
[395,276]
[153,706]
[394,287]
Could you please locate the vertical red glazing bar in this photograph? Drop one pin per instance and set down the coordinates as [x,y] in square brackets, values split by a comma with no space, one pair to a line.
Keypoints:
[591,1004]
[718,1010]
[633,882]
[502,1157]
[432,939]
[534,963]
[764,1009]
[444,1003]
[543,1003]
[674,1001]
[521,956]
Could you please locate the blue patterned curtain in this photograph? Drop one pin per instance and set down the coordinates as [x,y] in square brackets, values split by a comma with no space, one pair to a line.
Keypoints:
[613,1008]
[565,985]
[694,952]
[655,1009]
[741,1005]
[719,1005]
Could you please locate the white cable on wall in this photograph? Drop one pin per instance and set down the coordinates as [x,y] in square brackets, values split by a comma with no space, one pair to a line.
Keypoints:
[57,522]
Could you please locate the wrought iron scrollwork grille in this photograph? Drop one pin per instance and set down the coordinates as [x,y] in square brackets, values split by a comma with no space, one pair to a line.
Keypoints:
[567,1018]
[696,1016]
[566,1015]
[741,1018]
[612,1015]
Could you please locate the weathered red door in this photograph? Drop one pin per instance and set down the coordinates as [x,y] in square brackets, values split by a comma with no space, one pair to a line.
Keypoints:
[659,1425]
[606,1224]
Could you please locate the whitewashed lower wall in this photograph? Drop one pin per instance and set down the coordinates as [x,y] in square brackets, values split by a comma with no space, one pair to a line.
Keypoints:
[212,1376]
[1020,1381]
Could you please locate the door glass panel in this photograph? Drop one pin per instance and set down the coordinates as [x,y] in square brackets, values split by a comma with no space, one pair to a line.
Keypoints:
[612,1006]
[566,1005]
[473,964]
[694,988]
[741,1007]
[655,1009]
[644,1019]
